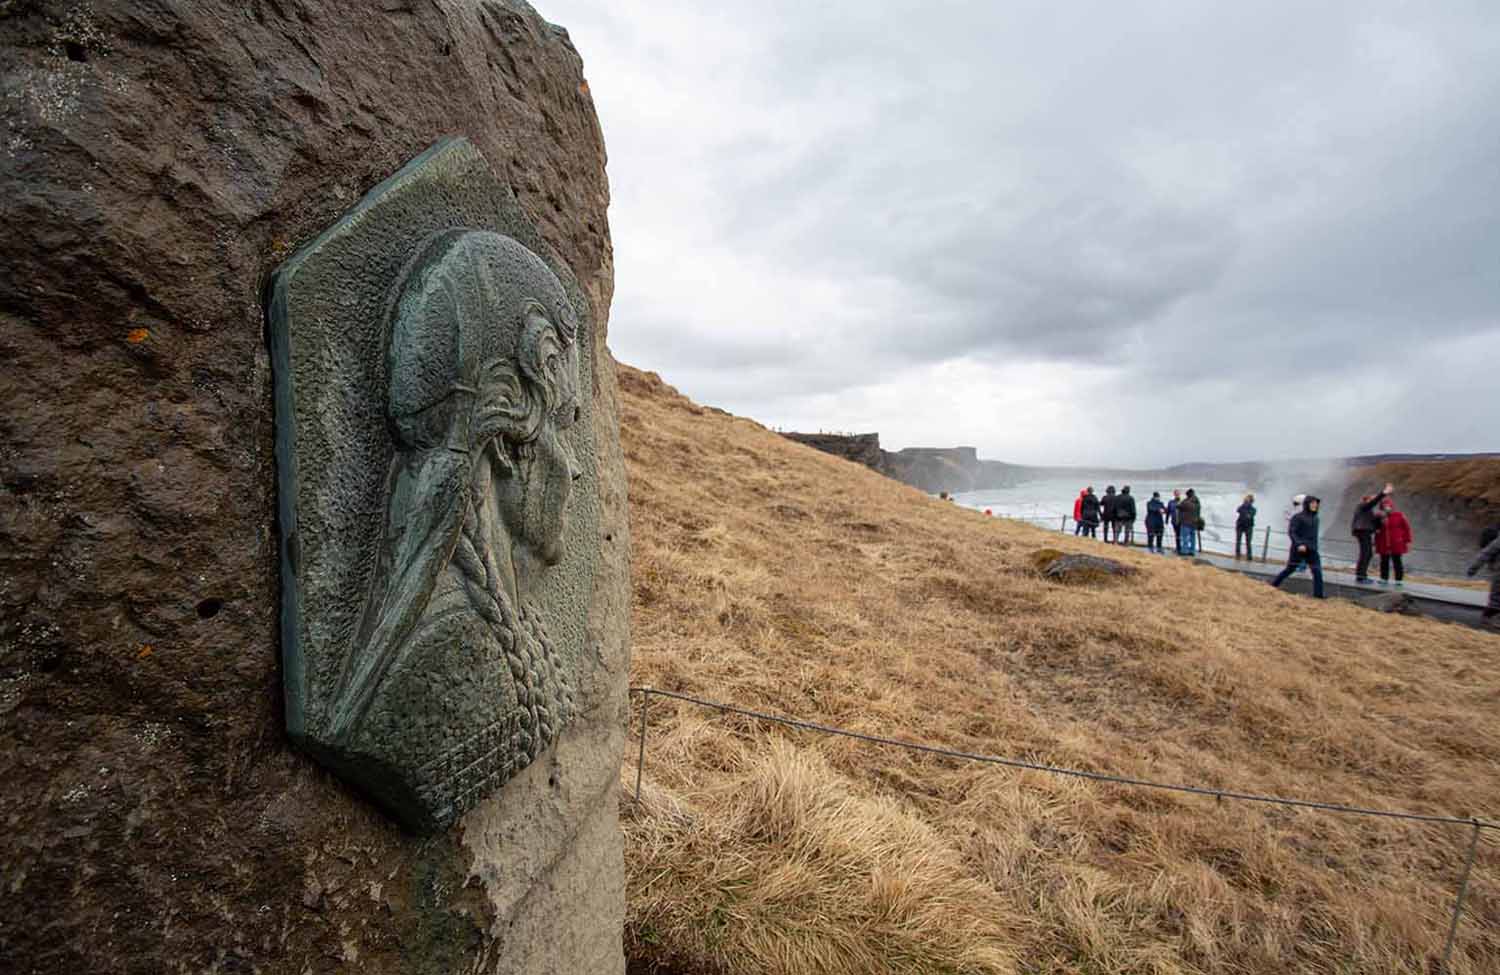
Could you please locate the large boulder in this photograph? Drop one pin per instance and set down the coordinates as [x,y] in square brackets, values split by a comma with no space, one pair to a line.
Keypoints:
[158,160]
[1076,568]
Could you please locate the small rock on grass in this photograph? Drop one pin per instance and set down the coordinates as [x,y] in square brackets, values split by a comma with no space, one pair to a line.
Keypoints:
[1083,568]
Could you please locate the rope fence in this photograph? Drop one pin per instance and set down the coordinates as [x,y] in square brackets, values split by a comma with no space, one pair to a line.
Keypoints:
[1476,825]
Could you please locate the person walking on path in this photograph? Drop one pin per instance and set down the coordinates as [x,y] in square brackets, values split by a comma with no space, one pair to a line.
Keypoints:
[1303,531]
[1190,515]
[1392,540]
[1108,512]
[1244,527]
[1176,520]
[1088,514]
[1125,510]
[1156,523]
[1078,512]
[1363,527]
[1289,514]
[1488,560]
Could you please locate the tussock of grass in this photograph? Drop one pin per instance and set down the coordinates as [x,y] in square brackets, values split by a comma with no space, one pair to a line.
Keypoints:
[777,578]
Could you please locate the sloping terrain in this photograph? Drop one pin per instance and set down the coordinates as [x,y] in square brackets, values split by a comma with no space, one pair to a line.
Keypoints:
[773,577]
[1449,502]
[1476,480]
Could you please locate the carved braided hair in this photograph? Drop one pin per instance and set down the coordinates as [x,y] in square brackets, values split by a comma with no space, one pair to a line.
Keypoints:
[543,689]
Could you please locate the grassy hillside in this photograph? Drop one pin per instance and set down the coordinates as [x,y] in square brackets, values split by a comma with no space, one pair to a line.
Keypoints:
[777,578]
[1476,481]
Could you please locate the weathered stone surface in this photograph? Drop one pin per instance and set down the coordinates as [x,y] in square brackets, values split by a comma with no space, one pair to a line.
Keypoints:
[1390,602]
[157,161]
[1085,568]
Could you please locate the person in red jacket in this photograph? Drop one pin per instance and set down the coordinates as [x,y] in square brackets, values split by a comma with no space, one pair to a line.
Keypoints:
[1392,540]
[1078,512]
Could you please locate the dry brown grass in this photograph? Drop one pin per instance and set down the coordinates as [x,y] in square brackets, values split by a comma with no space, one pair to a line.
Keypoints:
[777,578]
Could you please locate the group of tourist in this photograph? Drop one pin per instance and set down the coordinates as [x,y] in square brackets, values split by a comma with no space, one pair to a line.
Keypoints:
[1117,513]
[1378,528]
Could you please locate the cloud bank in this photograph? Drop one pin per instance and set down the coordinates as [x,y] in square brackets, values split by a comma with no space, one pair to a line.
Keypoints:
[1103,234]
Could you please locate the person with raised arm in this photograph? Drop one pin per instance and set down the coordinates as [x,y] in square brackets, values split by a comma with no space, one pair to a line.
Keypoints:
[1365,524]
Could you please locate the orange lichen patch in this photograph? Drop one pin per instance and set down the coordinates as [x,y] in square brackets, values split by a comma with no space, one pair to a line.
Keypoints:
[145,651]
[137,335]
[583,88]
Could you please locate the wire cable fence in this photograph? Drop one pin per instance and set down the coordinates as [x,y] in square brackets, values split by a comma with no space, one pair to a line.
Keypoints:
[1475,825]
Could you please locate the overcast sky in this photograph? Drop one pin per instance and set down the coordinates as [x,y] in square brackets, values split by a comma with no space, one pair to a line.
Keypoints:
[1112,232]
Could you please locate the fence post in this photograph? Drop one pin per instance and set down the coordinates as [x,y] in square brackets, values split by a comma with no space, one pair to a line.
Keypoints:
[1458,903]
[1265,548]
[640,760]
[1064,526]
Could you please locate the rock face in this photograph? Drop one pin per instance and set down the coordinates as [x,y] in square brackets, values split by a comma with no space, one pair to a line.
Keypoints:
[1391,602]
[1447,502]
[1084,568]
[861,448]
[932,469]
[157,162]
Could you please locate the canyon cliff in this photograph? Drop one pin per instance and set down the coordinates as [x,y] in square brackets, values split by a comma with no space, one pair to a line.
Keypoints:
[932,469]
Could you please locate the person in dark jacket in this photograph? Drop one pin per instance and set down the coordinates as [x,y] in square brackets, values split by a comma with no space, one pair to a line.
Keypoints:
[1244,527]
[1175,521]
[1303,531]
[1190,519]
[1108,512]
[1078,511]
[1125,515]
[1156,522]
[1365,524]
[1088,513]
[1392,540]
[1488,560]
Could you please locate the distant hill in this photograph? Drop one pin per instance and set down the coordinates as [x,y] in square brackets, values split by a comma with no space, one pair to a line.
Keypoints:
[953,469]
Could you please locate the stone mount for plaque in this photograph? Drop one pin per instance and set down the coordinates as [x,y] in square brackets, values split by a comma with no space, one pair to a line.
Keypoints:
[438,489]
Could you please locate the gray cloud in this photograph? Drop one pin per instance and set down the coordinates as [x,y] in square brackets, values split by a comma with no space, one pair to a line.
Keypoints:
[1156,207]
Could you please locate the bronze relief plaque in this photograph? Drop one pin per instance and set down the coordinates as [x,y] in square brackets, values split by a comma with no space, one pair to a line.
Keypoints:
[438,489]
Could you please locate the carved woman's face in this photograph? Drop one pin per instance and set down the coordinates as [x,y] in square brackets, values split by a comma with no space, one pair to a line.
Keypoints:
[534,500]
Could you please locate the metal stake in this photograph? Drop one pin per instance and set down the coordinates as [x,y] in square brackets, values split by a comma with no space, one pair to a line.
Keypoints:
[640,761]
[1265,549]
[1458,903]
